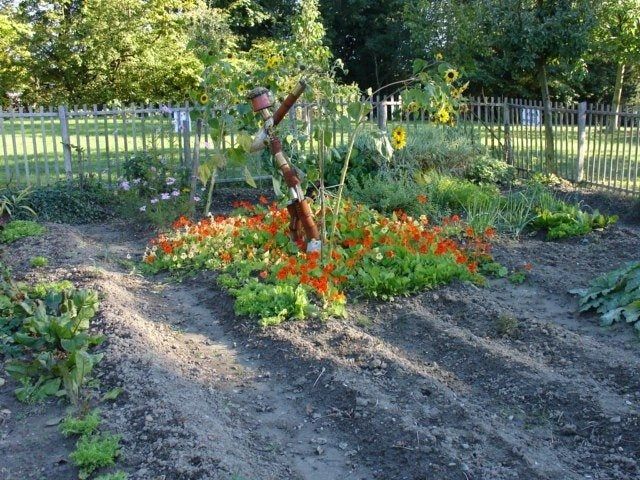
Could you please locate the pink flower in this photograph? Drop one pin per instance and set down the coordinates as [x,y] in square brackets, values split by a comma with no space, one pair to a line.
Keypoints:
[165,196]
[175,193]
[154,201]
[143,208]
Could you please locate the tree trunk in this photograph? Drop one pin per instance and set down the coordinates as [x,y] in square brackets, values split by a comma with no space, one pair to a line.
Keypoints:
[549,152]
[617,98]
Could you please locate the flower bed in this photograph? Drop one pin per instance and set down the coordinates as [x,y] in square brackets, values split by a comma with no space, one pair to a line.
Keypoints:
[274,279]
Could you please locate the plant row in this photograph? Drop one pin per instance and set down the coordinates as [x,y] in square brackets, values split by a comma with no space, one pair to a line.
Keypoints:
[274,279]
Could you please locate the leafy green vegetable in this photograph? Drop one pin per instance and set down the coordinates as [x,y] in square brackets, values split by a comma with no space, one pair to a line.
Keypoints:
[615,296]
[18,229]
[81,426]
[44,333]
[95,451]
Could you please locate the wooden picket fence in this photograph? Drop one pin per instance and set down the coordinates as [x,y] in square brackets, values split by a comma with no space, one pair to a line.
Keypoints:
[41,146]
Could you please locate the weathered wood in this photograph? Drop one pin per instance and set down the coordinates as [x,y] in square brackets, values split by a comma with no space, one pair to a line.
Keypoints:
[582,141]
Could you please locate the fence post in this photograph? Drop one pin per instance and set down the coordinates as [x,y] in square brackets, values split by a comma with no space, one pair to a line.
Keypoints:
[582,143]
[195,165]
[508,154]
[382,114]
[186,135]
[66,140]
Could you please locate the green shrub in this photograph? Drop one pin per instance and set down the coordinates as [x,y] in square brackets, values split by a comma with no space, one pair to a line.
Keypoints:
[446,150]
[95,451]
[615,296]
[74,202]
[18,229]
[486,169]
[39,261]
[149,174]
[81,426]
[387,195]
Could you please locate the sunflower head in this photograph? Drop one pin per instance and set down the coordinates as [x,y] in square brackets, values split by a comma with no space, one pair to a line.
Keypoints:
[442,115]
[204,99]
[438,57]
[451,75]
[398,138]
[272,61]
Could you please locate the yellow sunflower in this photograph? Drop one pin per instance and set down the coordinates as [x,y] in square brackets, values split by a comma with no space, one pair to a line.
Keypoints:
[273,61]
[442,115]
[204,99]
[398,138]
[451,75]
[439,57]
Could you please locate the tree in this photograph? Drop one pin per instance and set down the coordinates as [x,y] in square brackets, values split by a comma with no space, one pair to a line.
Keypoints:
[370,37]
[14,76]
[96,51]
[617,37]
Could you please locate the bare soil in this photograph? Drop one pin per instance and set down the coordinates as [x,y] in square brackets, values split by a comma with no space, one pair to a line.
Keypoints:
[500,382]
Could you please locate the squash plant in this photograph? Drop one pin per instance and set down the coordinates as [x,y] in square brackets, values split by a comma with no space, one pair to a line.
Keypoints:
[615,296]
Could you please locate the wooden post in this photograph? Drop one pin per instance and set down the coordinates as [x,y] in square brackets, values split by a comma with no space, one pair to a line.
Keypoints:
[186,143]
[508,154]
[66,140]
[195,167]
[582,143]
[382,115]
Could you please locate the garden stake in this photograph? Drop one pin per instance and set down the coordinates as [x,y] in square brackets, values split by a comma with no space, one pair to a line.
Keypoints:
[302,225]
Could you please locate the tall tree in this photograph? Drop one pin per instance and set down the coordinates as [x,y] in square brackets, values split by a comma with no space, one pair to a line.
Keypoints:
[371,38]
[617,38]
[14,57]
[102,50]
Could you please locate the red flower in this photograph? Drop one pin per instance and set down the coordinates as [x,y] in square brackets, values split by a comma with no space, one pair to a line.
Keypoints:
[421,199]
[181,222]
[263,200]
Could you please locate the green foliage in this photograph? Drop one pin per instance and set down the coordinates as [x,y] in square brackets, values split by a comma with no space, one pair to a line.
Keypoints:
[85,201]
[113,476]
[518,277]
[371,35]
[38,262]
[533,207]
[272,304]
[86,425]
[615,296]
[41,289]
[48,339]
[16,203]
[106,51]
[387,195]
[274,279]
[494,269]
[507,325]
[569,221]
[14,57]
[404,274]
[150,174]
[17,229]
[95,451]
[486,169]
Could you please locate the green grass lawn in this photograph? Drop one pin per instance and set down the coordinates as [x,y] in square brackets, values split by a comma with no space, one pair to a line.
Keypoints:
[31,149]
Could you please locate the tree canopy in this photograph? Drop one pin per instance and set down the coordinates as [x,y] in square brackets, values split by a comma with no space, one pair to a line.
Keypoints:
[100,51]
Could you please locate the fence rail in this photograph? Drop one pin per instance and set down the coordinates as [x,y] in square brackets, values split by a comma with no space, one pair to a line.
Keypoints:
[40,146]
